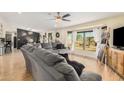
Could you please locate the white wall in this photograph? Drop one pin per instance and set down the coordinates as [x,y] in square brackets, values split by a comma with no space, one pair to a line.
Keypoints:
[112,23]
[6,27]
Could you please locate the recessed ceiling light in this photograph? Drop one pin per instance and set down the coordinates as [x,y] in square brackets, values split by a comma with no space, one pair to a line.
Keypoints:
[19,12]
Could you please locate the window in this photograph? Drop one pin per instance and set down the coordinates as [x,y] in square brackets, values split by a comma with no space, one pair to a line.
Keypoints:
[80,41]
[70,39]
[85,41]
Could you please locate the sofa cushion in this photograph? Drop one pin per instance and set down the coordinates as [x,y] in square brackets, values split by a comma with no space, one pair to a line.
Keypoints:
[90,76]
[48,57]
[68,71]
[50,71]
[31,49]
[47,45]
[25,47]
[38,45]
[54,45]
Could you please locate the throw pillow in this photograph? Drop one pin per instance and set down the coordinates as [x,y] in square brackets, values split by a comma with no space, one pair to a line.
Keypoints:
[68,71]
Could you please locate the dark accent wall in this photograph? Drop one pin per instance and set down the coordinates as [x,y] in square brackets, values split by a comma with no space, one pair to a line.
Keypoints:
[24,35]
[15,41]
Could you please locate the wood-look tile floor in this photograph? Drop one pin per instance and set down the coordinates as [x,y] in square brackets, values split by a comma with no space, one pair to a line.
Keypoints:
[12,67]
[97,67]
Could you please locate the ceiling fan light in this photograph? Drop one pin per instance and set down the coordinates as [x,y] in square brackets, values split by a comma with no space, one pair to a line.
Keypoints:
[58,20]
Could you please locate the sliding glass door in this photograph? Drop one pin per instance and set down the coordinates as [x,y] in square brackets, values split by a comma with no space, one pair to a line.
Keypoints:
[85,41]
[90,44]
[79,44]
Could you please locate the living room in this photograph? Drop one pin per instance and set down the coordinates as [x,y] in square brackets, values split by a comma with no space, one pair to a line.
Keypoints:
[66,46]
[77,36]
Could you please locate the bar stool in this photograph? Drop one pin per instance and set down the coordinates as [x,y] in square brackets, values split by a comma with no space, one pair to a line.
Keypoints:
[8,46]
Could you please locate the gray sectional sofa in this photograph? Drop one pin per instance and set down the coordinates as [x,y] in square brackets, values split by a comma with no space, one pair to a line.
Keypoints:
[45,65]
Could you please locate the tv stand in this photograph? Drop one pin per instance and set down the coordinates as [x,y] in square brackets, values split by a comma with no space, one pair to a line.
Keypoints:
[118,48]
[116,61]
[121,48]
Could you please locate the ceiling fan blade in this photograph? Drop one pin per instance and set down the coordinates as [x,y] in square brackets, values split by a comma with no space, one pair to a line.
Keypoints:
[66,20]
[66,15]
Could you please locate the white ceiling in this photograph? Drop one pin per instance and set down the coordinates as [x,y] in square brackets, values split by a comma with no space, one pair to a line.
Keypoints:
[40,20]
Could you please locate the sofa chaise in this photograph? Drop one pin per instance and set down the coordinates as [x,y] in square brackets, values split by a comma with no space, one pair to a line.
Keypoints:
[45,65]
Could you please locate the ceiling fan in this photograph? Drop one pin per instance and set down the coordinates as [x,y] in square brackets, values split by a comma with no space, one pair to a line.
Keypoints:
[59,17]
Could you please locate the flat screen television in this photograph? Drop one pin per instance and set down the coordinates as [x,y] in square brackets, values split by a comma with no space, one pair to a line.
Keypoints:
[118,37]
